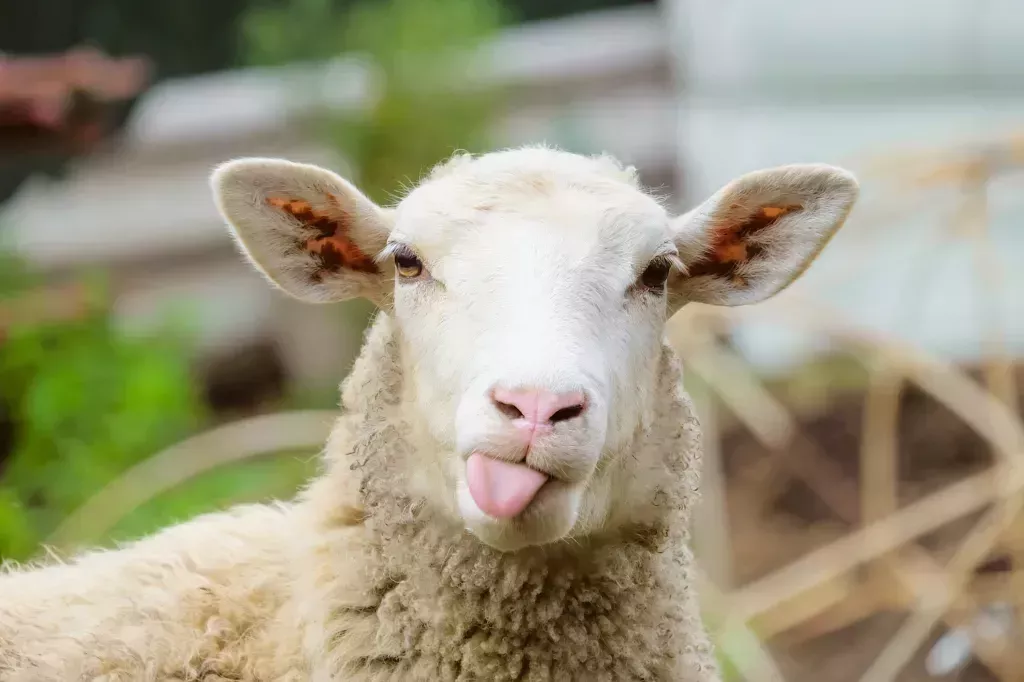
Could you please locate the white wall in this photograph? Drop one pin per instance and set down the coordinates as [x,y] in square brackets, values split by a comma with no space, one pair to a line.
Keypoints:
[757,48]
[765,83]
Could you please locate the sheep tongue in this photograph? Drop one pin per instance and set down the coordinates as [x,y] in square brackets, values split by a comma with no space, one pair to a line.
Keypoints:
[501,489]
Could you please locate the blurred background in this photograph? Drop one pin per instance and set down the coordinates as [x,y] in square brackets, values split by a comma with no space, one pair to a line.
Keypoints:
[865,453]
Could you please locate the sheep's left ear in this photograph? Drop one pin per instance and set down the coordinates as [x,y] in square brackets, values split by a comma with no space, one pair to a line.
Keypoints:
[311,232]
[759,233]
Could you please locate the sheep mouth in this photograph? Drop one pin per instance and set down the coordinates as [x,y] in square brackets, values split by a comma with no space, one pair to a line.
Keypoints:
[501,489]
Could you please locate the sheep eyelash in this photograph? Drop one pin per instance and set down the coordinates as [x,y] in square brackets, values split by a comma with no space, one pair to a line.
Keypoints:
[676,262]
[394,249]
[390,251]
[672,258]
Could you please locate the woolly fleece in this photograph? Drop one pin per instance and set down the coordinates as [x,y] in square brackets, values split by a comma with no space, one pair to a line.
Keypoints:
[358,579]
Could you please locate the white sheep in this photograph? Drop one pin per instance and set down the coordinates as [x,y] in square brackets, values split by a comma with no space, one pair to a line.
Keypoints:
[507,493]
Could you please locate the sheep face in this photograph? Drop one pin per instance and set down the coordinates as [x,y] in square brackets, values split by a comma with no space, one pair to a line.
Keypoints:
[530,290]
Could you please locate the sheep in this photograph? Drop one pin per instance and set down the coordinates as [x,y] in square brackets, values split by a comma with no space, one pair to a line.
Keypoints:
[506,494]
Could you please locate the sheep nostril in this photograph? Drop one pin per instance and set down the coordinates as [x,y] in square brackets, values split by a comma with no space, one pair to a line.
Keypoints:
[566,413]
[538,406]
[509,410]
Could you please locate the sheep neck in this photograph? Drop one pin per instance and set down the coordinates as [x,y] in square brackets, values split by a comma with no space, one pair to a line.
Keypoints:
[433,587]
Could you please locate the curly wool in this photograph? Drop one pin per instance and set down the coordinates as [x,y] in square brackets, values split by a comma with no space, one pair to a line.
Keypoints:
[361,579]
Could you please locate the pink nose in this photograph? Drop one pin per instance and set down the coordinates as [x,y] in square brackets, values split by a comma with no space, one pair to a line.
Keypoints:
[537,406]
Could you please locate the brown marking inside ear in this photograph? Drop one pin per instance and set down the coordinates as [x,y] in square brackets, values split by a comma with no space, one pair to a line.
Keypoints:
[331,246]
[730,247]
[765,217]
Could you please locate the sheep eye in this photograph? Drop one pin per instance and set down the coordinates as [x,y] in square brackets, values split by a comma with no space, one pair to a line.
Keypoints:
[408,265]
[655,276]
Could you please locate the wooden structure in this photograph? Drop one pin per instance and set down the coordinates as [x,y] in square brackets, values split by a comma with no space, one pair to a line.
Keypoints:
[940,558]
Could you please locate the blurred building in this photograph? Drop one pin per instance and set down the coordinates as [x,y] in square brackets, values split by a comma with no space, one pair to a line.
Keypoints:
[855,83]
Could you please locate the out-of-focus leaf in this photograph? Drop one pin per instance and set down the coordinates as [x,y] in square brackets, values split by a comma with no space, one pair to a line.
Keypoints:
[87,401]
[420,51]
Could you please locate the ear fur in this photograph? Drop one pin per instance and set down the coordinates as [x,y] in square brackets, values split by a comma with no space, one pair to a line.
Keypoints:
[758,234]
[312,233]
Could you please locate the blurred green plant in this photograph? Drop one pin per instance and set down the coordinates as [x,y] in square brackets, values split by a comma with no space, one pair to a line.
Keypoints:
[83,402]
[426,105]
[276,477]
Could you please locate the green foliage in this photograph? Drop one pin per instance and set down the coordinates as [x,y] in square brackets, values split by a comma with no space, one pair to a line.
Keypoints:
[423,112]
[296,31]
[276,477]
[549,9]
[729,671]
[86,402]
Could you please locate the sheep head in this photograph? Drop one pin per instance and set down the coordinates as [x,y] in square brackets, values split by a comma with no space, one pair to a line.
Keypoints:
[529,290]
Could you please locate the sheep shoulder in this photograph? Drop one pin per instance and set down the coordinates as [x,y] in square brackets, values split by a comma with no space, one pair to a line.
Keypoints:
[192,602]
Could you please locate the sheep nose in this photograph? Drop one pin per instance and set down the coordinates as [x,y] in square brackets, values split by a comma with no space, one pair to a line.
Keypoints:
[537,406]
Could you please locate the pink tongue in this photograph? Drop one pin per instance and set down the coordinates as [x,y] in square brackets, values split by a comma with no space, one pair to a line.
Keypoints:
[501,489]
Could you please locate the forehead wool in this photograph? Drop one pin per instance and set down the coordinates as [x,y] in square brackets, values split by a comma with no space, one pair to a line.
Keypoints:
[538,161]
[504,193]
[503,180]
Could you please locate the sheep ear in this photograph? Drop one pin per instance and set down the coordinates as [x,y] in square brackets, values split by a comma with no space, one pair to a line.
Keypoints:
[758,234]
[312,233]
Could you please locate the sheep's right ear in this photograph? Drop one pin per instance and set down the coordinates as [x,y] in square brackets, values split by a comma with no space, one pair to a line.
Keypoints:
[758,234]
[312,233]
